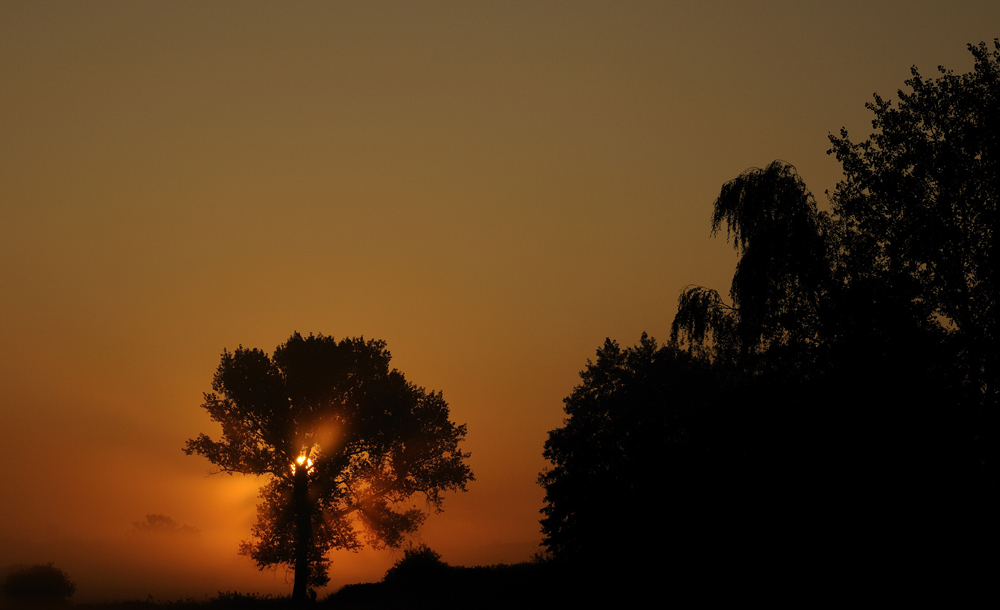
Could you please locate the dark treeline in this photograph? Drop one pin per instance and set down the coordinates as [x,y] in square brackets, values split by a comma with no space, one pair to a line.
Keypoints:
[834,421]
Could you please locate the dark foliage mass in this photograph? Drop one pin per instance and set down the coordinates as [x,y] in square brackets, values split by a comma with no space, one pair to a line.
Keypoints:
[343,440]
[420,579]
[418,566]
[38,584]
[642,415]
[843,402]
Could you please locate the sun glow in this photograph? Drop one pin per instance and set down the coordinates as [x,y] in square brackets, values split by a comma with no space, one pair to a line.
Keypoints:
[302,459]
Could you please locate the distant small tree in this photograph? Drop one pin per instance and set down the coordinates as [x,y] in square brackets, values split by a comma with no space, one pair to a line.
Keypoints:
[157,525]
[38,584]
[343,440]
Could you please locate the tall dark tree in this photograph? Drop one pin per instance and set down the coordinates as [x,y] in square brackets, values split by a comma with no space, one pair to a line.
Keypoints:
[919,200]
[771,342]
[784,273]
[920,195]
[344,440]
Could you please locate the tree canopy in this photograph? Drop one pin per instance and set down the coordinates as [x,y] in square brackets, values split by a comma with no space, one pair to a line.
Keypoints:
[344,441]
[847,391]
[780,280]
[870,332]
[645,421]
[919,204]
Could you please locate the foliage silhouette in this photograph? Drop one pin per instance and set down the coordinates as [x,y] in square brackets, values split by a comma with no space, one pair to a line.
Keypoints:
[645,421]
[162,525]
[863,342]
[38,584]
[342,439]
[782,277]
[919,204]
[421,579]
[417,565]
[846,397]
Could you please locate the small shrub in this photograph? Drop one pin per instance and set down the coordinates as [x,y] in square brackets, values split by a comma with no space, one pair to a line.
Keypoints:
[417,565]
[38,582]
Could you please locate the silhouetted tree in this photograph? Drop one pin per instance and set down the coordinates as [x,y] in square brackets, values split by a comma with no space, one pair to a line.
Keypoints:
[863,342]
[784,272]
[38,584]
[919,201]
[643,441]
[418,567]
[343,440]
[160,525]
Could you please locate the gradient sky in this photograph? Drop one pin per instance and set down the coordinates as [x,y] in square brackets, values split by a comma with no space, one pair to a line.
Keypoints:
[492,188]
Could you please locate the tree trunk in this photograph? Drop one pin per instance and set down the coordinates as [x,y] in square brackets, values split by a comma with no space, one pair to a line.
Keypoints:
[303,534]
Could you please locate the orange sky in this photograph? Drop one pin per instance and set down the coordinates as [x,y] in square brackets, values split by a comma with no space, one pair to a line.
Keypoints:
[492,188]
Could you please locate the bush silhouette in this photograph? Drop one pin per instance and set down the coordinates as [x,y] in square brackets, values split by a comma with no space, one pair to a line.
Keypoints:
[38,582]
[419,565]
